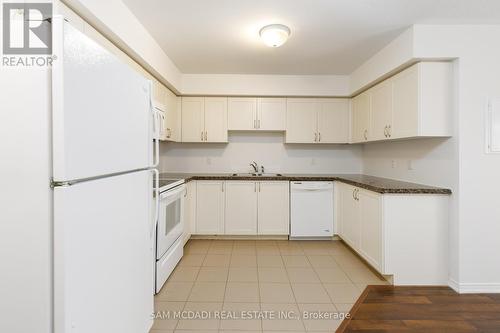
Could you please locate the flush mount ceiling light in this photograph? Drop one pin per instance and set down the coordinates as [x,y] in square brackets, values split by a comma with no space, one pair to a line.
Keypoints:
[274,35]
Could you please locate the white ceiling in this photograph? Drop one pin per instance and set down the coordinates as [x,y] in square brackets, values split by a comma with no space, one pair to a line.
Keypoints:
[328,36]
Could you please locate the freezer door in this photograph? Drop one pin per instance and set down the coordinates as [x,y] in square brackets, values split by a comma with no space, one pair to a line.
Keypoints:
[102,117]
[103,274]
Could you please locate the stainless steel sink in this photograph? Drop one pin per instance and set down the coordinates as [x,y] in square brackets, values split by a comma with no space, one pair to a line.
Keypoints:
[256,175]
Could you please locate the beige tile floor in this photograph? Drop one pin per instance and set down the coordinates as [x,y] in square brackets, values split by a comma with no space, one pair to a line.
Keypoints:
[265,277]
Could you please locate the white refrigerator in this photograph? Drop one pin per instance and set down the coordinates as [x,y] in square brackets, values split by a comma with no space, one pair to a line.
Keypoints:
[103,166]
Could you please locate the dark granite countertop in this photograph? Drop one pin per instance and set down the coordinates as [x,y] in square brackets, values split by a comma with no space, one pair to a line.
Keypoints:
[375,184]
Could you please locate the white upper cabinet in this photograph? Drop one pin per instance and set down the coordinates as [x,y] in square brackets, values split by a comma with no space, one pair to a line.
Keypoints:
[416,102]
[405,87]
[204,119]
[242,113]
[271,114]
[381,110]
[301,120]
[317,120]
[256,114]
[193,119]
[423,101]
[215,119]
[333,120]
[361,117]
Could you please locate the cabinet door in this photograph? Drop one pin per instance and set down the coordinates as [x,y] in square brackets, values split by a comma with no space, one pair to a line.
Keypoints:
[349,216]
[171,117]
[193,119]
[241,208]
[209,207]
[381,114]
[158,93]
[301,120]
[361,117]
[241,114]
[190,210]
[371,227]
[273,208]
[271,114]
[215,119]
[333,121]
[405,119]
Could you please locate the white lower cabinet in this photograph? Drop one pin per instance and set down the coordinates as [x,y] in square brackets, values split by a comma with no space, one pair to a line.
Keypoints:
[241,208]
[273,208]
[349,216]
[209,207]
[189,210]
[361,222]
[370,218]
[403,235]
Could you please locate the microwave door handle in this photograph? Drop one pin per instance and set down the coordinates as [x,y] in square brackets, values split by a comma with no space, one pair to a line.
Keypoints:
[160,126]
[156,141]
[162,123]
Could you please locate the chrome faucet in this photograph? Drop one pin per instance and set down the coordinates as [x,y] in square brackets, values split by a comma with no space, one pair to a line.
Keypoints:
[255,166]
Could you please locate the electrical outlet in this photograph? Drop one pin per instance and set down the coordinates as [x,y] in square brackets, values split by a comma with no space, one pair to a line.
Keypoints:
[410,165]
[393,164]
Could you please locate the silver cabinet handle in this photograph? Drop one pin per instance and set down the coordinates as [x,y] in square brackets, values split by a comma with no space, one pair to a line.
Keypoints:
[255,123]
[258,123]
[206,135]
[259,187]
[389,131]
[201,135]
[255,187]
[315,137]
[319,136]
[365,134]
[355,193]
[222,186]
[385,131]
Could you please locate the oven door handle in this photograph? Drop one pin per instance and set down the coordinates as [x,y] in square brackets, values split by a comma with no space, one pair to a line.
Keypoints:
[173,193]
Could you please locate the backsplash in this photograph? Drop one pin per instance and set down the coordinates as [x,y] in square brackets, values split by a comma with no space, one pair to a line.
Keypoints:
[266,149]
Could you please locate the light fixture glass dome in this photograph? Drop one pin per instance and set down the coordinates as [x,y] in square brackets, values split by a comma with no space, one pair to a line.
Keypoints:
[274,35]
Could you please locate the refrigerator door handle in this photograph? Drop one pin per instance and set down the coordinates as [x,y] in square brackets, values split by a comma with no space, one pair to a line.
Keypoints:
[157,201]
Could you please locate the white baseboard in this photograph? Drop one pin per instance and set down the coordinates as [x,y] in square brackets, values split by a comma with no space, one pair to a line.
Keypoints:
[454,285]
[474,288]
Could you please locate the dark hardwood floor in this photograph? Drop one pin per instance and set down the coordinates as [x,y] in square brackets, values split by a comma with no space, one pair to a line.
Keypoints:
[390,309]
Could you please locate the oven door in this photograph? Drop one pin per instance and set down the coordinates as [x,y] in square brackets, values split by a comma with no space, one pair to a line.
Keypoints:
[170,219]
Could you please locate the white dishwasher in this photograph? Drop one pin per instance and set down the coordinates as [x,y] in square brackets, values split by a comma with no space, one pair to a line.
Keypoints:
[311,209]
